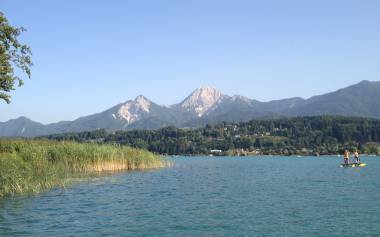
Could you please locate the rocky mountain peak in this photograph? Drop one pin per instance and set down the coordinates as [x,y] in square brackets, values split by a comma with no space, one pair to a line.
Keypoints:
[133,111]
[202,99]
[241,98]
[143,102]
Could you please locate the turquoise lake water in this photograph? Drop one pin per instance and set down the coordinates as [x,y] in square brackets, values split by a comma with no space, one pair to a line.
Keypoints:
[204,196]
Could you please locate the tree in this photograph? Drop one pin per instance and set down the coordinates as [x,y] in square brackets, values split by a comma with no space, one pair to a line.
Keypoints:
[13,54]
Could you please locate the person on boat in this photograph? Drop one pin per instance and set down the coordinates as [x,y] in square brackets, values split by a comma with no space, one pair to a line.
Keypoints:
[357,158]
[346,157]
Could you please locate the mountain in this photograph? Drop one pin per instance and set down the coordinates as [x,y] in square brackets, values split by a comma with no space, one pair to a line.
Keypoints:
[23,127]
[239,108]
[131,114]
[207,105]
[200,101]
[361,100]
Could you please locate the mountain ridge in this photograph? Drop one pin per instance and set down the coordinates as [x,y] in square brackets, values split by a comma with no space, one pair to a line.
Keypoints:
[207,105]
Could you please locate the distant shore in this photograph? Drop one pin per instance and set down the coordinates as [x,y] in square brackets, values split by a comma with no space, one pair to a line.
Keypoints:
[305,136]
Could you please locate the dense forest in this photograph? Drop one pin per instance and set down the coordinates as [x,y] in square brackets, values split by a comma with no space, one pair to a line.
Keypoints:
[319,135]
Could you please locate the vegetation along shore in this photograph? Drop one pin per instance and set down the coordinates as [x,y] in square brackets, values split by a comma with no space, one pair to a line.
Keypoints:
[31,166]
[317,135]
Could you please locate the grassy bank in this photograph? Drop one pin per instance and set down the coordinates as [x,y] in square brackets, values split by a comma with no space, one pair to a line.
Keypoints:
[31,166]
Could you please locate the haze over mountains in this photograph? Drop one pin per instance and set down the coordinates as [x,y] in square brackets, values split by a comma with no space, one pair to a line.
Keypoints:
[207,105]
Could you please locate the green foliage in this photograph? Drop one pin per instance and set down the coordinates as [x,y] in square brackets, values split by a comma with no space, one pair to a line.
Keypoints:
[286,136]
[13,54]
[31,166]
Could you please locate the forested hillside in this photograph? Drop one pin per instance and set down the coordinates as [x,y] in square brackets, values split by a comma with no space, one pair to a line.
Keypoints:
[287,136]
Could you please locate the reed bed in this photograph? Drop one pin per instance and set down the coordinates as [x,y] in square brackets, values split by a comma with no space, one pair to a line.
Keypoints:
[32,166]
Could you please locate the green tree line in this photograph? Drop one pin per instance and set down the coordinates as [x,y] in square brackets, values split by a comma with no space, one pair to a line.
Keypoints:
[284,136]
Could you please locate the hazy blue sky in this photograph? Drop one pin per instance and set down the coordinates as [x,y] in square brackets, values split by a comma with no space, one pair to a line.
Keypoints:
[90,55]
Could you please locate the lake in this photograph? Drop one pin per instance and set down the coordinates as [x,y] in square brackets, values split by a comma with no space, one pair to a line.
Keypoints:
[206,196]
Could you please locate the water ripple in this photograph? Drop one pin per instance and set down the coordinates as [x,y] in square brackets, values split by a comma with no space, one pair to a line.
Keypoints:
[209,197]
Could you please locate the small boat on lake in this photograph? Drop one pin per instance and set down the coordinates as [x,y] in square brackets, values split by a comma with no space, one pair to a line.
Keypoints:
[355,163]
[352,165]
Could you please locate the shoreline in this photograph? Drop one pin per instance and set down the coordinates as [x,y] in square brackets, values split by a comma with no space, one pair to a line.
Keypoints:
[34,166]
[266,156]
